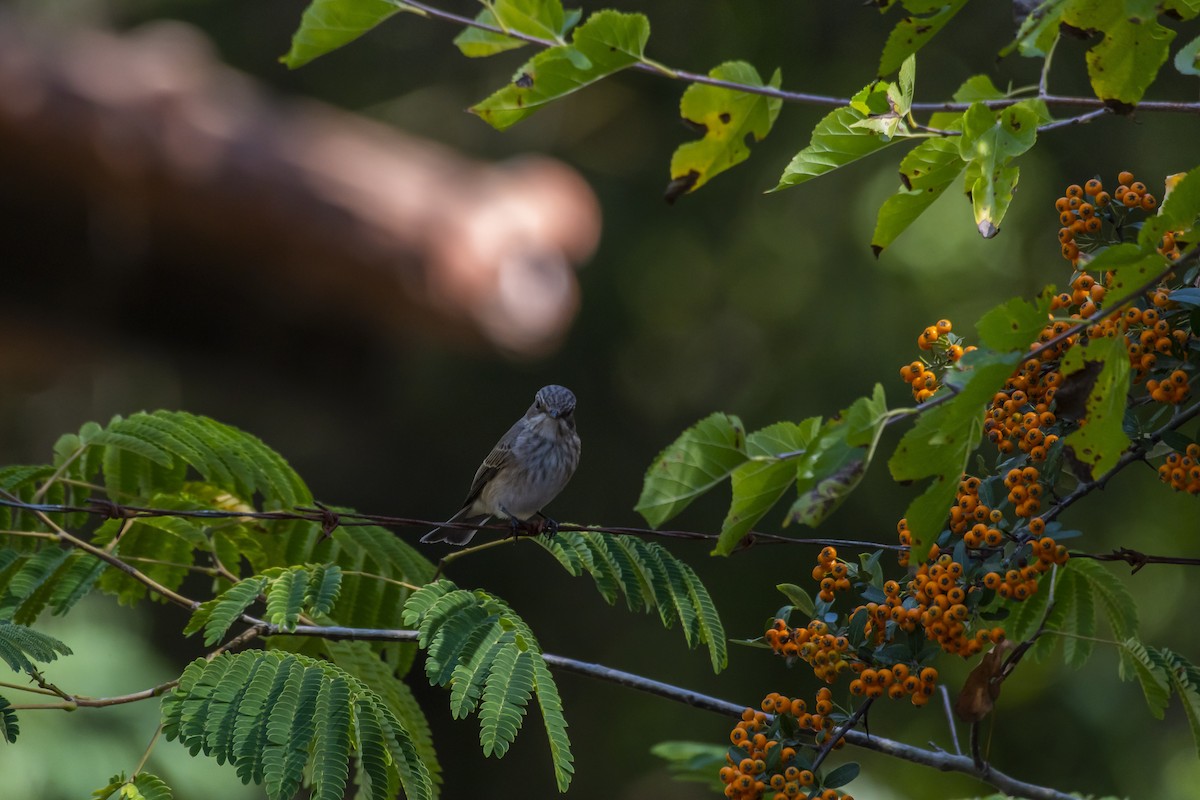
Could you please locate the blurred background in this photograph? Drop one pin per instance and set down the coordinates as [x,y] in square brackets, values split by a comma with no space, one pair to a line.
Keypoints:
[342,261]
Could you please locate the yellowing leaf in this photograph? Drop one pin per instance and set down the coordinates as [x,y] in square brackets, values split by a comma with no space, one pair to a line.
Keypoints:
[608,42]
[732,123]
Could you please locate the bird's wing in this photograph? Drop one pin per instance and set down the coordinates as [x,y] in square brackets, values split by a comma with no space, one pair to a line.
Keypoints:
[493,463]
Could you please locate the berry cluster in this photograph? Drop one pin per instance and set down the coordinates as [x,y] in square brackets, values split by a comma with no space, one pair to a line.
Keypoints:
[826,653]
[768,752]
[944,349]
[1086,211]
[831,573]
[1182,471]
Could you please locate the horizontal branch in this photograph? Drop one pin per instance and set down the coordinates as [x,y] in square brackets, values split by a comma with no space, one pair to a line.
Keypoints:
[930,758]
[805,98]
[331,520]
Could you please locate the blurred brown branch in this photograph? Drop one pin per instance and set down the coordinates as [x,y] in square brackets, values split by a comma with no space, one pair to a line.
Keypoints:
[294,202]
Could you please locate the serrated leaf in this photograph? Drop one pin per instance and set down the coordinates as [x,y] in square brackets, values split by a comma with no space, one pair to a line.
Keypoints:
[282,718]
[328,24]
[1073,594]
[1114,595]
[1012,325]
[989,142]
[698,460]
[836,141]
[608,42]
[759,483]
[1100,443]
[732,122]
[1182,676]
[912,33]
[10,728]
[925,172]
[1137,663]
[20,647]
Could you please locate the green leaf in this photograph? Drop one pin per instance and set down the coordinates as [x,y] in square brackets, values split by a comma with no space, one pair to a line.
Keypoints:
[1039,30]
[10,729]
[142,786]
[1134,266]
[1181,207]
[608,42]
[1187,60]
[505,695]
[215,616]
[364,662]
[550,705]
[732,122]
[1184,678]
[925,172]
[759,483]
[1100,443]
[841,776]
[328,24]
[20,647]
[491,660]
[1013,325]
[698,460]
[693,761]
[544,19]
[913,33]
[990,140]
[1114,595]
[1137,663]
[284,719]
[1073,595]
[836,141]
[798,598]
[827,477]
[943,438]
[1124,63]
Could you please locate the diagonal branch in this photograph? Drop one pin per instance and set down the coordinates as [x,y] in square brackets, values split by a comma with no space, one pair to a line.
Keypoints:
[931,758]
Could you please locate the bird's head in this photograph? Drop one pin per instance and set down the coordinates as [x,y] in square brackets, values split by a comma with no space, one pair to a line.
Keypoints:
[556,403]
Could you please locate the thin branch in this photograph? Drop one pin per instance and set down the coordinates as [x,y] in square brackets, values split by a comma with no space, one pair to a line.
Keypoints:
[332,520]
[802,98]
[931,758]
[950,718]
[836,735]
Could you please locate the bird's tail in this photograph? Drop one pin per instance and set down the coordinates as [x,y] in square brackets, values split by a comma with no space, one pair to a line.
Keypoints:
[456,536]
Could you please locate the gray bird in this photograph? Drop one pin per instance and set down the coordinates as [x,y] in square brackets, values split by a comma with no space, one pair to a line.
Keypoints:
[526,469]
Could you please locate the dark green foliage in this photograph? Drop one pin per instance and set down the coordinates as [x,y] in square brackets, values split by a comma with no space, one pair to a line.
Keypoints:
[650,578]
[142,786]
[286,720]
[9,729]
[21,646]
[488,656]
[289,593]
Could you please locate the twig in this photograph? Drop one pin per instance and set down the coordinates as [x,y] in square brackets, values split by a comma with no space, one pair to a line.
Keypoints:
[352,520]
[796,97]
[930,758]
[950,719]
